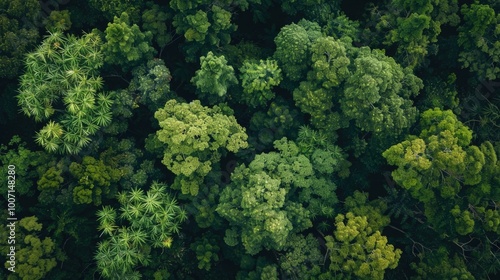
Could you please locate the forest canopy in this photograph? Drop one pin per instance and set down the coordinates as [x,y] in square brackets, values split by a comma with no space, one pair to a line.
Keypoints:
[250,139]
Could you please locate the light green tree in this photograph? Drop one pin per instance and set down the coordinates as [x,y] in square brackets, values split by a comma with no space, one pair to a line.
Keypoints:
[126,45]
[357,251]
[278,194]
[195,138]
[450,176]
[145,221]
[61,86]
[35,256]
[257,80]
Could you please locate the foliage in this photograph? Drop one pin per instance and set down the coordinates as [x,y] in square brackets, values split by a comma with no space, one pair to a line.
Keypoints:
[17,34]
[358,251]
[195,138]
[301,258]
[479,39]
[203,24]
[213,78]
[257,81]
[437,166]
[151,83]
[28,165]
[61,86]
[414,26]
[95,180]
[206,252]
[275,196]
[149,220]
[293,48]
[154,20]
[116,7]
[34,256]
[440,265]
[126,45]
[58,21]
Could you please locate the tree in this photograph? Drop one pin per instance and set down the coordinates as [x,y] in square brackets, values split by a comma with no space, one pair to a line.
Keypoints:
[34,256]
[413,27]
[61,86]
[213,78]
[154,20]
[29,165]
[357,251]
[257,80]
[58,21]
[277,195]
[293,44]
[149,220]
[301,257]
[436,167]
[126,45]
[205,25]
[95,180]
[116,7]
[17,34]
[206,250]
[151,84]
[196,137]
[479,39]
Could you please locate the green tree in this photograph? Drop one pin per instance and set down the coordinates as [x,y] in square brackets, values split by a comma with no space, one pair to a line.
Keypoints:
[151,84]
[293,44]
[439,264]
[145,221]
[205,24]
[29,165]
[452,178]
[58,21]
[196,137]
[17,34]
[413,27]
[213,78]
[479,39]
[257,80]
[206,250]
[95,180]
[114,8]
[357,251]
[154,20]
[61,86]
[301,257]
[35,256]
[126,45]
[276,195]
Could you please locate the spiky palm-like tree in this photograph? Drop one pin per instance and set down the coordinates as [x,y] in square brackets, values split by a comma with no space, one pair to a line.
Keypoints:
[150,219]
[60,85]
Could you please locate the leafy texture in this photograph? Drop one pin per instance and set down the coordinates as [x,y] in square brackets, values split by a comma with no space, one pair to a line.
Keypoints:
[144,220]
[61,87]
[195,138]
[357,251]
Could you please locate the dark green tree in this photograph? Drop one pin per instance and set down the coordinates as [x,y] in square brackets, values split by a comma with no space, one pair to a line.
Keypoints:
[479,39]
[18,34]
